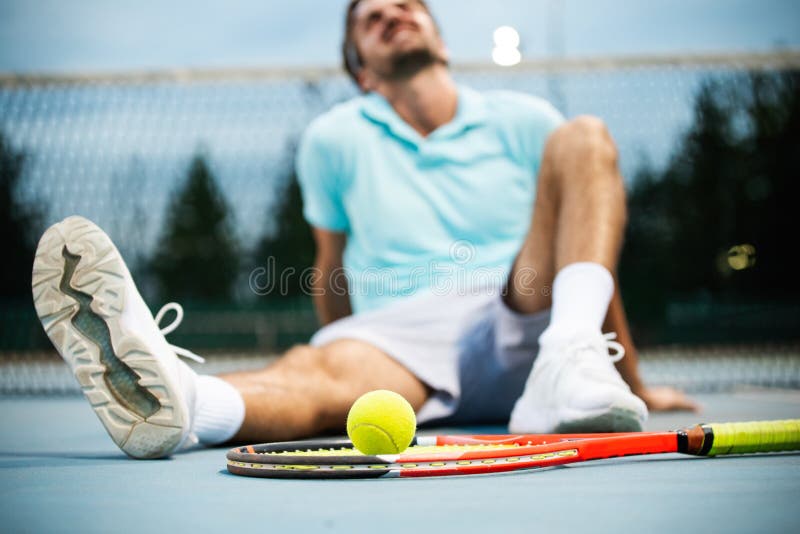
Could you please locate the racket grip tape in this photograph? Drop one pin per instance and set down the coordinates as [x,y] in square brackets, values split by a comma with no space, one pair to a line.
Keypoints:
[755,436]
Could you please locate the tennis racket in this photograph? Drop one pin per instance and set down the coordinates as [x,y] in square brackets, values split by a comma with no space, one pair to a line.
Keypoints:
[430,456]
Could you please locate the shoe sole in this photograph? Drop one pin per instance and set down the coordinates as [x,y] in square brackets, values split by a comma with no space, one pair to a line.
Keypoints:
[613,420]
[78,286]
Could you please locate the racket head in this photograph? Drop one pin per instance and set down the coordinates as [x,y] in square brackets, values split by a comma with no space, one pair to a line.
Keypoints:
[426,457]
[304,459]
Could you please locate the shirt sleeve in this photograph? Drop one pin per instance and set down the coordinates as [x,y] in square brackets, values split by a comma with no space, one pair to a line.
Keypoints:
[532,120]
[543,119]
[319,176]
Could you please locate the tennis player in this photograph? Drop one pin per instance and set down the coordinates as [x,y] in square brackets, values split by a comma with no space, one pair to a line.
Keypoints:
[467,245]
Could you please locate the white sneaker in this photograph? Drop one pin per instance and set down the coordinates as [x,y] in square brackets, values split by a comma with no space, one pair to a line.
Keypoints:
[574,387]
[92,312]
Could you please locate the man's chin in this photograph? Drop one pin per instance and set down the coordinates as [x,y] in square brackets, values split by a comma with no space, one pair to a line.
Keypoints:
[409,62]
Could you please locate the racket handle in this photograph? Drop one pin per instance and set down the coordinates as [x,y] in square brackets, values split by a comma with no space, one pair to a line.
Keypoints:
[755,436]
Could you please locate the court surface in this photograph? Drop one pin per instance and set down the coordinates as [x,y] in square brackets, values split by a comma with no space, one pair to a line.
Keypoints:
[61,473]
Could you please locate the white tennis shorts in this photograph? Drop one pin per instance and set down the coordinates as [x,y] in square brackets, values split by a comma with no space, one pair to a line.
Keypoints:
[471,349]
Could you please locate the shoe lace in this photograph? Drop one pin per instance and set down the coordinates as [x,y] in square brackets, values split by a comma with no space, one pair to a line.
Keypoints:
[618,350]
[614,349]
[178,309]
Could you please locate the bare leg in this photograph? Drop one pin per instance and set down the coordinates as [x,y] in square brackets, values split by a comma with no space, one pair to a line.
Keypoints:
[579,213]
[579,216]
[310,389]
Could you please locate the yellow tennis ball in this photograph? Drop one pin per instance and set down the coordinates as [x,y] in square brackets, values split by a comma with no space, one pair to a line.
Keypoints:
[381,422]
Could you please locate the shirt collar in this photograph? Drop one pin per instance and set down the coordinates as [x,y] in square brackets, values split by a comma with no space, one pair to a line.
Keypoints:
[471,111]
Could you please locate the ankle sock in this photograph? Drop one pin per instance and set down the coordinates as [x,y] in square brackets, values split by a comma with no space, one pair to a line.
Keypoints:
[581,295]
[219,410]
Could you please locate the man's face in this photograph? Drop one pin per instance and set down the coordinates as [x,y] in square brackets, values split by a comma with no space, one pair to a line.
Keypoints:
[395,38]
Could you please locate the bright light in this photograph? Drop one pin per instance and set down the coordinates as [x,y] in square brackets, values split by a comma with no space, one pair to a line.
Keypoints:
[506,57]
[506,37]
[741,257]
[506,46]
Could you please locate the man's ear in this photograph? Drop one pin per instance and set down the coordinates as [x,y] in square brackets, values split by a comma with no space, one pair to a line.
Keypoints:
[443,50]
[446,54]
[364,81]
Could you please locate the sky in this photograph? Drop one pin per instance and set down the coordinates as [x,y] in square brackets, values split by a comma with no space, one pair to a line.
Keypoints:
[57,36]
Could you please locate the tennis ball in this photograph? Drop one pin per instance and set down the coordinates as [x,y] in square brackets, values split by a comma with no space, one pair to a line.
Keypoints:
[381,422]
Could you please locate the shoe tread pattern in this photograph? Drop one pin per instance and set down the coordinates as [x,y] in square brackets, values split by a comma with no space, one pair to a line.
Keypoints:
[140,427]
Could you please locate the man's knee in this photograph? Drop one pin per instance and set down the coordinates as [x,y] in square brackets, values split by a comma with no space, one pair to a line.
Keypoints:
[350,359]
[585,138]
[307,362]
[334,360]
[356,367]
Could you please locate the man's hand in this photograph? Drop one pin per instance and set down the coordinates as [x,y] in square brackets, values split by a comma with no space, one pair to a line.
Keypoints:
[665,399]
[657,399]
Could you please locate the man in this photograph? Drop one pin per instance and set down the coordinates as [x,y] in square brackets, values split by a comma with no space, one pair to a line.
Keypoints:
[493,225]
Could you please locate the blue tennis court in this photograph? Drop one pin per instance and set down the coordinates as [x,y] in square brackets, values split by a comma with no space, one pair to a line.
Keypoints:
[61,473]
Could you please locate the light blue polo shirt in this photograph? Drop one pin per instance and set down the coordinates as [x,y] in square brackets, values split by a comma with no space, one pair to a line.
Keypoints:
[444,212]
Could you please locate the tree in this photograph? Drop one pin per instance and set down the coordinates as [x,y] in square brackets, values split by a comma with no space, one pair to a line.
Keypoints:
[772,167]
[286,249]
[21,223]
[197,255]
[732,180]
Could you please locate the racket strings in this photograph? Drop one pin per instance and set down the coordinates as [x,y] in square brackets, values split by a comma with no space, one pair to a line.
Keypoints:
[414,449]
[540,460]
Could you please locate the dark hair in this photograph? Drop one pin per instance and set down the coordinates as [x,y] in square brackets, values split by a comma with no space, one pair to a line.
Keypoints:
[351,58]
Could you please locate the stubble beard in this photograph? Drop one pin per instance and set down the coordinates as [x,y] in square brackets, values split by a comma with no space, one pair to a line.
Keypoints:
[407,64]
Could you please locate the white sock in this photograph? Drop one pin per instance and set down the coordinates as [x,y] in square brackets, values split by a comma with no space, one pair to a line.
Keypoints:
[219,411]
[581,295]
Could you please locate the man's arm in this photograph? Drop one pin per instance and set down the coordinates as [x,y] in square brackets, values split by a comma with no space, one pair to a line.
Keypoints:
[331,295]
[656,398]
